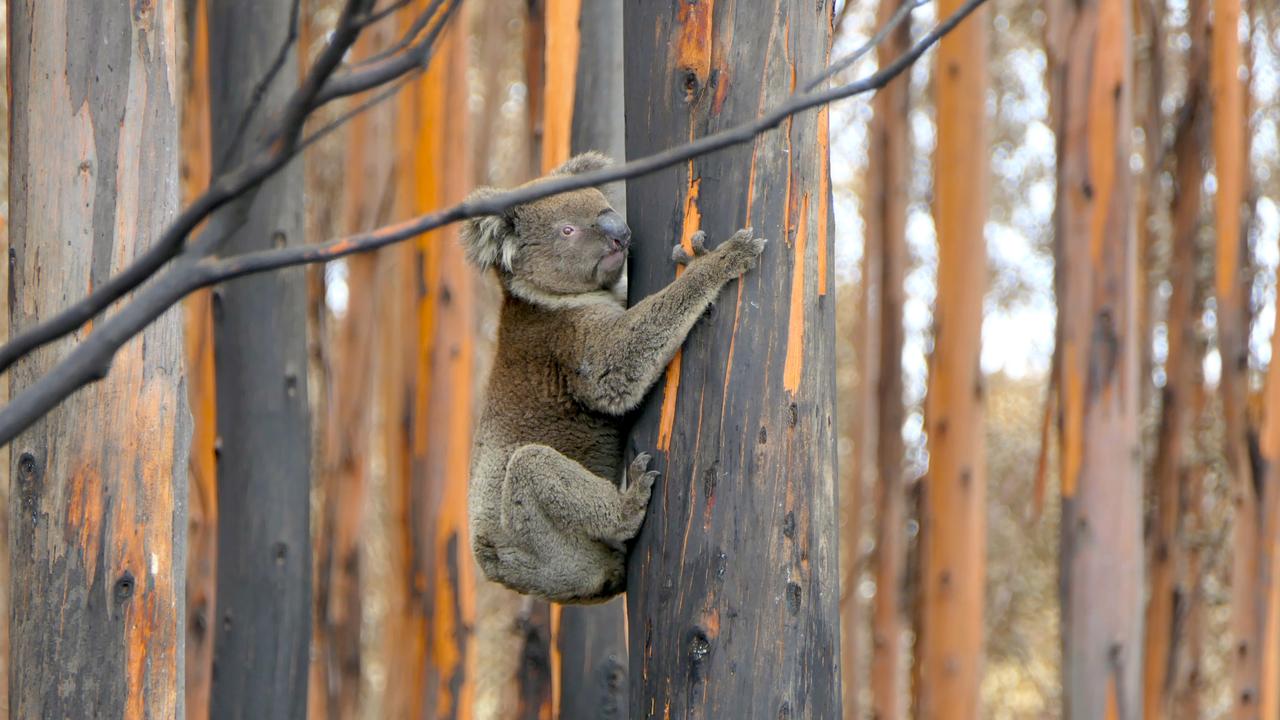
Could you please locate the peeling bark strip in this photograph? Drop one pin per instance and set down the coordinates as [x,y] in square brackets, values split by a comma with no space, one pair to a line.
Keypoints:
[1090,61]
[733,584]
[954,518]
[263,628]
[97,512]
[592,639]
[202,489]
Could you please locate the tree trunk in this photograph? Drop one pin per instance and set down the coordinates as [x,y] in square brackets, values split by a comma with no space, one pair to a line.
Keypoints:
[1149,90]
[591,639]
[1090,62]
[1169,580]
[97,520]
[888,191]
[444,399]
[954,514]
[1231,287]
[733,582]
[342,580]
[264,458]
[202,488]
[1268,462]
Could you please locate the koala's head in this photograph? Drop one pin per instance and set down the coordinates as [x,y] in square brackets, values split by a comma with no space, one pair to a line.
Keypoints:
[565,244]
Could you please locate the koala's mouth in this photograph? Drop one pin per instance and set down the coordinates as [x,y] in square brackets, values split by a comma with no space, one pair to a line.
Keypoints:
[613,260]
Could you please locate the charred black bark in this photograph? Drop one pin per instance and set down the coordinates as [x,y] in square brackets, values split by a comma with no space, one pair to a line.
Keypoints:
[733,583]
[263,628]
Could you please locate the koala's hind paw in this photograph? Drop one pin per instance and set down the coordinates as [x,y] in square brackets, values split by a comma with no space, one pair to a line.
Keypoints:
[741,251]
[635,499]
[637,467]
[699,244]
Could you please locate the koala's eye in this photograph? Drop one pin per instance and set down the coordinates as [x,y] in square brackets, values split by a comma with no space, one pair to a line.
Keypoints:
[568,230]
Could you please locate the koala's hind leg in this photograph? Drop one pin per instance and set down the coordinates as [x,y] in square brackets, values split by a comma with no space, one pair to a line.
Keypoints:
[572,498]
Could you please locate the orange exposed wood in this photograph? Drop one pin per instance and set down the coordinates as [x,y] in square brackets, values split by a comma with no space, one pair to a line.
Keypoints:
[691,224]
[440,452]
[953,523]
[693,44]
[202,492]
[792,366]
[561,76]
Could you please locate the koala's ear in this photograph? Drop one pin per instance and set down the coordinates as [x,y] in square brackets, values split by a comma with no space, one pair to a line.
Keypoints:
[489,240]
[586,162]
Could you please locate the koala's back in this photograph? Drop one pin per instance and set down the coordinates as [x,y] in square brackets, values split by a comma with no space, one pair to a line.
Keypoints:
[528,402]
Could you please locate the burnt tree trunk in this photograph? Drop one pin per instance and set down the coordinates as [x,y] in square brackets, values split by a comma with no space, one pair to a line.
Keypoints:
[733,584]
[1090,74]
[592,638]
[97,518]
[263,627]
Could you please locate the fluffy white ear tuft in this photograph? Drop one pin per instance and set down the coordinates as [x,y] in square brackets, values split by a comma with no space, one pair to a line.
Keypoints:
[488,240]
[586,162]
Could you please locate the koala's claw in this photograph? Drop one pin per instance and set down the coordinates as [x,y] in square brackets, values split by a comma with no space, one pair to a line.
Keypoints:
[742,251]
[637,468]
[699,244]
[635,499]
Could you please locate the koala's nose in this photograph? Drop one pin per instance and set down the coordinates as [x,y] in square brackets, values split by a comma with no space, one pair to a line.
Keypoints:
[614,228]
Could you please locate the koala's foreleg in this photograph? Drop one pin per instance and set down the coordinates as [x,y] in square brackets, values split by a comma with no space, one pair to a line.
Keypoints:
[625,358]
[572,498]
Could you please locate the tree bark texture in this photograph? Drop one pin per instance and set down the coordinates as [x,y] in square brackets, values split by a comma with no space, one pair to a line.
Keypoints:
[954,515]
[202,477]
[591,639]
[887,192]
[263,629]
[733,584]
[98,508]
[444,293]
[1090,61]
[1171,586]
[1252,690]
[348,427]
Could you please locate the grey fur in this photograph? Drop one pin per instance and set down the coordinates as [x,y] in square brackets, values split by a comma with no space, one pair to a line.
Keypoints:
[547,515]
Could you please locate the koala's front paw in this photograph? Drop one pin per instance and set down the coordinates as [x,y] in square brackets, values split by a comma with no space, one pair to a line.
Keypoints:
[635,499]
[699,243]
[740,252]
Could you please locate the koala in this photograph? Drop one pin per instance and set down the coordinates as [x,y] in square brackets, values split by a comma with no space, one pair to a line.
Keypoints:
[549,516]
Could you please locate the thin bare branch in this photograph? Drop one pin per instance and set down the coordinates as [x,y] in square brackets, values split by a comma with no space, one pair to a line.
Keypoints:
[903,11]
[379,73]
[223,189]
[90,359]
[405,40]
[260,90]
[386,12]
